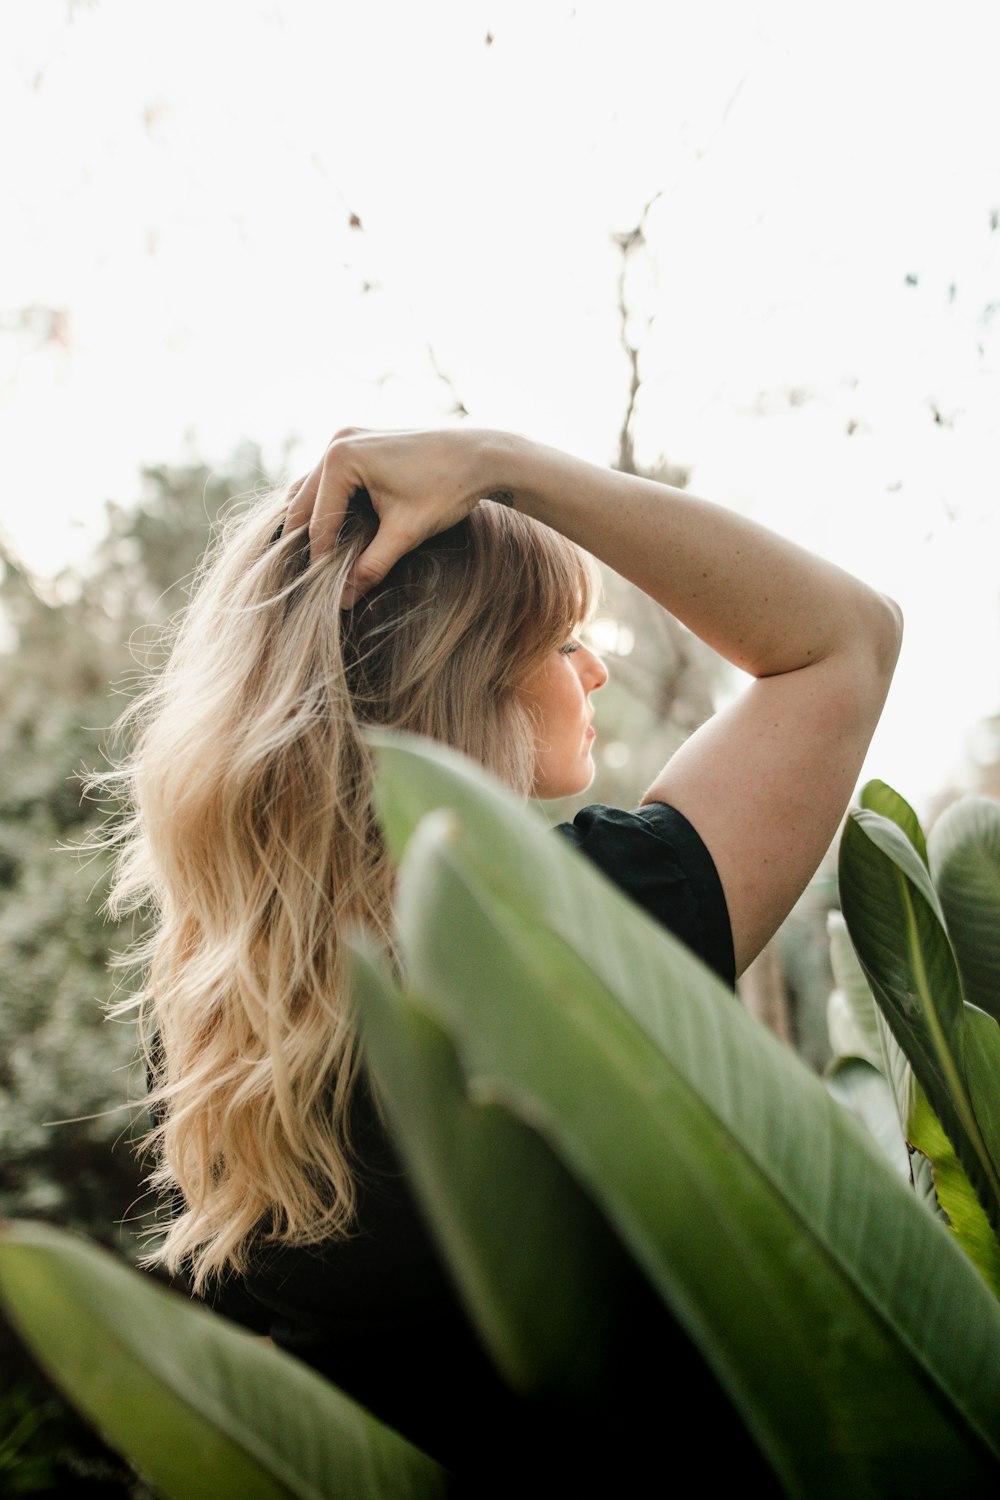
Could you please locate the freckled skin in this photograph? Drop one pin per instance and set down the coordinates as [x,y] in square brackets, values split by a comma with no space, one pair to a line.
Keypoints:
[558,693]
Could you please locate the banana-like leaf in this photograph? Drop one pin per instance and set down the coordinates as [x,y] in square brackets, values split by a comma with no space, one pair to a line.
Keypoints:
[982,1065]
[865,1091]
[852,1015]
[920,1126]
[850,1332]
[858,1029]
[935,1171]
[939,1179]
[897,928]
[670,1149]
[202,1409]
[877,797]
[858,1074]
[479,1170]
[965,866]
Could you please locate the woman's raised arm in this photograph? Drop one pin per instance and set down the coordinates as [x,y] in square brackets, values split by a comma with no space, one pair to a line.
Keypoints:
[766,781]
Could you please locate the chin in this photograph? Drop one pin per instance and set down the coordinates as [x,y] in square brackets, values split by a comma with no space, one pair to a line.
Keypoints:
[571,784]
[580,783]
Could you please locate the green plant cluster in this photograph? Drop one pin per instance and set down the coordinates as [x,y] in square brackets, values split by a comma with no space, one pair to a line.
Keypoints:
[553,1061]
[66,1137]
[918,1010]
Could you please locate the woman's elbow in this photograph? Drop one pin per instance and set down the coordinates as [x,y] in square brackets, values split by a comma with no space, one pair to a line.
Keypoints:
[871,659]
[887,635]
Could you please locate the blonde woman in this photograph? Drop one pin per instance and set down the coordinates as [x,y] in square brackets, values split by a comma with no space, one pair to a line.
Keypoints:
[435,582]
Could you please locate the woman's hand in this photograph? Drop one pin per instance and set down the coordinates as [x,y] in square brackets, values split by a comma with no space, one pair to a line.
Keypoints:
[419,483]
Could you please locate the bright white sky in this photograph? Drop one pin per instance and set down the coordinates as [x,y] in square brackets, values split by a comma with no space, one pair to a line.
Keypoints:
[179,177]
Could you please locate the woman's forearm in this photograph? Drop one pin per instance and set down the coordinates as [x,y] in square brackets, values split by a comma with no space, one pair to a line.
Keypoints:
[764,603]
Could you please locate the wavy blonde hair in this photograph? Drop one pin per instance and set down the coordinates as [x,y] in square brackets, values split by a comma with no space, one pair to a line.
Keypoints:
[249,833]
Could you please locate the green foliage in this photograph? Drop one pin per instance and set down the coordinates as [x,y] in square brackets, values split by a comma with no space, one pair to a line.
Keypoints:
[857,1074]
[203,1410]
[66,1072]
[47,1450]
[965,865]
[551,1059]
[60,1060]
[798,1261]
[25,1466]
[579,1100]
[923,916]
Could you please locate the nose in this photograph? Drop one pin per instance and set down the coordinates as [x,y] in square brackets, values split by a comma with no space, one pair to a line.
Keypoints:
[593,671]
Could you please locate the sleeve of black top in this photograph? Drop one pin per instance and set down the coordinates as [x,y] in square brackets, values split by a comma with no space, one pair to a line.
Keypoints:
[658,859]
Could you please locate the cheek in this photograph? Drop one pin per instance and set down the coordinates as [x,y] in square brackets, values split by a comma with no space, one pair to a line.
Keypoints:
[567,700]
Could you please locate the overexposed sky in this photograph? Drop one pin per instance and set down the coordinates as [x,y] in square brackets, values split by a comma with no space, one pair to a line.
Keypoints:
[817,303]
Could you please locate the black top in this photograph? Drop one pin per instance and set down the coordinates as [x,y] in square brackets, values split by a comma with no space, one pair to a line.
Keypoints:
[655,856]
[377,1314]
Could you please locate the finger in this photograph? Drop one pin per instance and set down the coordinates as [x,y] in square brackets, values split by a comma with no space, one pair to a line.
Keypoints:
[301,499]
[335,487]
[385,549]
[303,494]
[320,500]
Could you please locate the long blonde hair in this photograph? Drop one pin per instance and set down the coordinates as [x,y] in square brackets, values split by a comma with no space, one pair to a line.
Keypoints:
[250,836]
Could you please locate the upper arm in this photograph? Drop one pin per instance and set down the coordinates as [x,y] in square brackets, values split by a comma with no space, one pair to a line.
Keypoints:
[767,781]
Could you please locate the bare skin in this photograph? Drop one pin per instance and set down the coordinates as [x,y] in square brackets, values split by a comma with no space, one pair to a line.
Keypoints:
[558,693]
[766,781]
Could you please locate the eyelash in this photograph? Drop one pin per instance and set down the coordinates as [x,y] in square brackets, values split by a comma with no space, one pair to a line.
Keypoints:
[569,648]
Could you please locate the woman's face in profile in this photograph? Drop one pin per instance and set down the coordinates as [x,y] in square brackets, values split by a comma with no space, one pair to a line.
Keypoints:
[557,692]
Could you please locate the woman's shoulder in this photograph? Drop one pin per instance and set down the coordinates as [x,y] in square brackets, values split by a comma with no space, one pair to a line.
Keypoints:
[657,857]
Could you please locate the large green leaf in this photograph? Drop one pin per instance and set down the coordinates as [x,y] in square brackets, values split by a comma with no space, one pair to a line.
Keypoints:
[848,1329]
[920,1126]
[965,865]
[865,1091]
[858,1030]
[852,1015]
[964,849]
[479,1170]
[877,797]
[982,1064]
[203,1410]
[895,921]
[857,1075]
[938,1176]
[918,1123]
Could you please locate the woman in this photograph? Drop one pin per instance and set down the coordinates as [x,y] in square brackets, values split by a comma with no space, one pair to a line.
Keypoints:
[390,591]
